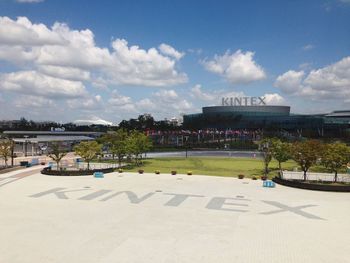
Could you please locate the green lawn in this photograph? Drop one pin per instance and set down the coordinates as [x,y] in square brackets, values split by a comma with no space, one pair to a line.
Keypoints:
[219,166]
[210,166]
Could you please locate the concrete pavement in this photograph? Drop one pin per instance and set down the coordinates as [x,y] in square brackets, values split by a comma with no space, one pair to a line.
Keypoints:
[165,218]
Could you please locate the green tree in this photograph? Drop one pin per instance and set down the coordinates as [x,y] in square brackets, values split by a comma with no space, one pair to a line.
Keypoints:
[116,143]
[88,151]
[6,147]
[137,144]
[306,154]
[335,156]
[265,148]
[280,151]
[57,154]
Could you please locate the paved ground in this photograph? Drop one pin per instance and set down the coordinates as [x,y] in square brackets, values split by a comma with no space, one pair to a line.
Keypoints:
[165,218]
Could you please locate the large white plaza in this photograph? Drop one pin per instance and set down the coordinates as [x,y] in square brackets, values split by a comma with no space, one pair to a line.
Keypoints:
[165,218]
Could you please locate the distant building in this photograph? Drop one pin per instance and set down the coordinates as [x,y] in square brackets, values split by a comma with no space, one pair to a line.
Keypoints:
[174,121]
[269,118]
[38,142]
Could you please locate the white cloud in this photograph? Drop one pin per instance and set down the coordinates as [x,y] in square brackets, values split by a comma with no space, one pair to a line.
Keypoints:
[87,104]
[73,55]
[290,81]
[58,63]
[231,94]
[213,98]
[170,51]
[119,100]
[31,102]
[23,32]
[65,72]
[165,102]
[147,105]
[135,66]
[308,47]
[198,93]
[79,50]
[274,99]
[305,66]
[34,83]
[166,95]
[93,120]
[237,68]
[98,98]
[330,82]
[18,54]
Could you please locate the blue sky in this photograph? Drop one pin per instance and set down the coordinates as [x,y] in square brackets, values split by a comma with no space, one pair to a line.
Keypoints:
[190,54]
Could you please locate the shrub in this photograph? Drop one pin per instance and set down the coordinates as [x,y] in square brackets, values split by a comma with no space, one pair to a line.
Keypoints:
[254,178]
[240,176]
[264,178]
[173,172]
[189,172]
[141,171]
[157,172]
[120,170]
[49,171]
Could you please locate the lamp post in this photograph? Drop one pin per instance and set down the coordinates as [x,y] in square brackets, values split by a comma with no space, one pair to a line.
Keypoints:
[186,145]
[12,152]
[25,145]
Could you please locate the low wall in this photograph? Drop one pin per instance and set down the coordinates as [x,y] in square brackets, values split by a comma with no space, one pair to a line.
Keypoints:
[49,171]
[311,186]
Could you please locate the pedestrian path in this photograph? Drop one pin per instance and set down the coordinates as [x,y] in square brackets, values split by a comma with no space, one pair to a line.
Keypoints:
[13,176]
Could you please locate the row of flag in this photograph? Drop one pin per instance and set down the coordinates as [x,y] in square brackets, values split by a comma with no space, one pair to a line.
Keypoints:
[203,132]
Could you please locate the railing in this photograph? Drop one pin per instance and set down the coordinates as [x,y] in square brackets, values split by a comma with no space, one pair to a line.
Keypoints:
[326,177]
[83,166]
[329,187]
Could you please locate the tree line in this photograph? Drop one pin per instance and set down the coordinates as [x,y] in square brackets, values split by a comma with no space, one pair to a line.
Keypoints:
[30,125]
[333,156]
[120,144]
[141,123]
[7,150]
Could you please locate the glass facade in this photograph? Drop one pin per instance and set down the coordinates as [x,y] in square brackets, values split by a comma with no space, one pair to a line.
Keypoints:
[266,119]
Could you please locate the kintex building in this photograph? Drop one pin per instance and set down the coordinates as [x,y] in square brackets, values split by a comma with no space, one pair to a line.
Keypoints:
[252,113]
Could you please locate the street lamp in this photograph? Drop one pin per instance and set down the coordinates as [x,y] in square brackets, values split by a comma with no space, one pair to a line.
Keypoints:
[186,146]
[25,145]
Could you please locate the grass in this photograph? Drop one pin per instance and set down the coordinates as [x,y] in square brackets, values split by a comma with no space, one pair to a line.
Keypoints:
[218,166]
[230,167]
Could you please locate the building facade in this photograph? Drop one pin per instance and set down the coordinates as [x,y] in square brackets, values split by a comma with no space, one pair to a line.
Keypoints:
[269,118]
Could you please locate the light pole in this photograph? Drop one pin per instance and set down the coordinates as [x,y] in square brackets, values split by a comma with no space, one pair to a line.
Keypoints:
[186,146]
[12,152]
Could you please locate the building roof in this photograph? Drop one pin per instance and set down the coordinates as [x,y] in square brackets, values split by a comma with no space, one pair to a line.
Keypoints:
[53,139]
[339,114]
[56,133]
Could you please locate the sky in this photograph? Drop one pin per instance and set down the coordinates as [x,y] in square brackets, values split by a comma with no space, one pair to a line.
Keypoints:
[105,61]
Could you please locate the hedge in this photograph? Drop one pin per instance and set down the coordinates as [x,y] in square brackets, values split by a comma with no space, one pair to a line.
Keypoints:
[49,171]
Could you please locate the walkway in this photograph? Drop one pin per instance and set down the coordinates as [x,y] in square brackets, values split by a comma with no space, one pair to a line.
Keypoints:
[169,219]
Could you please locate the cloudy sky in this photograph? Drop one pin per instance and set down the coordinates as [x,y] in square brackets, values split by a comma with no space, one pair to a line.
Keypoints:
[104,61]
